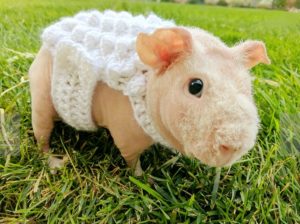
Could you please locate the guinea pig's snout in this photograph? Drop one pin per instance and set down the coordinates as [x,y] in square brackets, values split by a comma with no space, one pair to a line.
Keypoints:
[228,134]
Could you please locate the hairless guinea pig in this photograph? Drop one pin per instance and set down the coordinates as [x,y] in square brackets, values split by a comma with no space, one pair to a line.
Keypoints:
[185,88]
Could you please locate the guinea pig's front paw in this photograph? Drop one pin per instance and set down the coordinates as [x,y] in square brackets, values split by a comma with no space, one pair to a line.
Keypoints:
[56,163]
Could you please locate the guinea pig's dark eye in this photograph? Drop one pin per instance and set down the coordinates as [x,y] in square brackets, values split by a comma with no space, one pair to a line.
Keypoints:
[196,87]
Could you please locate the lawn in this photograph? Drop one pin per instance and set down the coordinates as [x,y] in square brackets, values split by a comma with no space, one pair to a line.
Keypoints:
[97,187]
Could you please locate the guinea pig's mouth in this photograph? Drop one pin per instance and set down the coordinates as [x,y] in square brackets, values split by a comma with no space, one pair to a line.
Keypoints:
[223,156]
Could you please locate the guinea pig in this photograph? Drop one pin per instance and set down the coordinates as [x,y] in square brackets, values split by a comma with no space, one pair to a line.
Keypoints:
[147,80]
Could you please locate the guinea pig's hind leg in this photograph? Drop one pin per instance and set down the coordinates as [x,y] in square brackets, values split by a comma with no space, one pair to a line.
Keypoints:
[43,123]
[43,111]
[42,108]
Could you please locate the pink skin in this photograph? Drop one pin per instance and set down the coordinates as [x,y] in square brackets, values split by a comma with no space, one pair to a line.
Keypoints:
[216,128]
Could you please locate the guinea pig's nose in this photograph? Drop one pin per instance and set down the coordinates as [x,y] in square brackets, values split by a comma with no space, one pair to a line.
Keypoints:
[226,153]
[224,148]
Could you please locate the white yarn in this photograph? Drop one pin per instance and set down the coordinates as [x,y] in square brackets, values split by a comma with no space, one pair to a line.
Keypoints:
[94,46]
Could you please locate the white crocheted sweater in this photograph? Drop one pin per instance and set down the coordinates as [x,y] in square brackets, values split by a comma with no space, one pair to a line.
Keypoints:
[97,46]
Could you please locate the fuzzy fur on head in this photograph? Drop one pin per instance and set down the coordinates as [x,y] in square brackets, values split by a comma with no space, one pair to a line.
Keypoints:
[221,125]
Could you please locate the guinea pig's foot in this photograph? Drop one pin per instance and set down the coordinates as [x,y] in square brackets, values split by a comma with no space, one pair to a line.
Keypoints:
[138,171]
[56,163]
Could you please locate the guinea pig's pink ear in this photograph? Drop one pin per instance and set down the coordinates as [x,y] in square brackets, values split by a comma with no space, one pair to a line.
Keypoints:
[163,47]
[252,53]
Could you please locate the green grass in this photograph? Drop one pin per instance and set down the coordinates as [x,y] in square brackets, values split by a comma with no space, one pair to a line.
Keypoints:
[264,187]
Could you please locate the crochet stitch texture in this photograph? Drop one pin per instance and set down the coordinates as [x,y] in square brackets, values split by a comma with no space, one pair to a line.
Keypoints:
[94,46]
